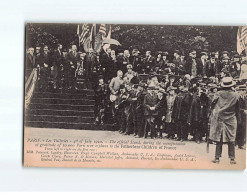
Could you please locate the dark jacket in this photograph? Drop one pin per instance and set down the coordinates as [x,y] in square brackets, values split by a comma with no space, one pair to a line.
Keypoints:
[150,101]
[188,66]
[90,62]
[149,62]
[45,59]
[30,61]
[181,106]
[74,58]
[57,58]
[106,61]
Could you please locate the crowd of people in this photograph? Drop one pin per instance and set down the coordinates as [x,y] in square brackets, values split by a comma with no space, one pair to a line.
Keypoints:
[149,95]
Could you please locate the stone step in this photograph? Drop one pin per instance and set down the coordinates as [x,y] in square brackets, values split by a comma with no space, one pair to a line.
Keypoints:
[54,118]
[61,107]
[62,101]
[66,125]
[62,95]
[60,112]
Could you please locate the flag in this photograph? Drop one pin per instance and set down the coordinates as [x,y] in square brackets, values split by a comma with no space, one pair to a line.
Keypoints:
[84,32]
[242,39]
[102,29]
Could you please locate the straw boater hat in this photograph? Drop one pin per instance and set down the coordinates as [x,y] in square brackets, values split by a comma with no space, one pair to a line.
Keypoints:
[227,82]
[171,88]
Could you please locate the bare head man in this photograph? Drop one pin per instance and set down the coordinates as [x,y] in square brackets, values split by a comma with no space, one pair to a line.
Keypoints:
[108,50]
[126,53]
[148,53]
[90,50]
[59,46]
[74,47]
[31,50]
[120,73]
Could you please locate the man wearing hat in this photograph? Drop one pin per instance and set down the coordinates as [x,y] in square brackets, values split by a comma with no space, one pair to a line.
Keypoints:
[241,130]
[140,94]
[224,119]
[150,112]
[180,112]
[100,100]
[169,124]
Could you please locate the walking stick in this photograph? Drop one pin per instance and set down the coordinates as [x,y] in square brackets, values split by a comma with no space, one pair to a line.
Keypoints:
[208,138]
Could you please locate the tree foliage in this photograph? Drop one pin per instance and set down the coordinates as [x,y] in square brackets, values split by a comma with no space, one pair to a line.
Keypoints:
[169,38]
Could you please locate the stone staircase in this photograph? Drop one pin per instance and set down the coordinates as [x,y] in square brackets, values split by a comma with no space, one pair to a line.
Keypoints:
[65,110]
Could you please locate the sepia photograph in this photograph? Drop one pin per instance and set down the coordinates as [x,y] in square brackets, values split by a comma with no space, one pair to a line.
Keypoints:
[135,96]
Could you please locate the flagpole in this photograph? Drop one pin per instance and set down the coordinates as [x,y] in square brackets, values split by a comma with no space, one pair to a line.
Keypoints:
[78,34]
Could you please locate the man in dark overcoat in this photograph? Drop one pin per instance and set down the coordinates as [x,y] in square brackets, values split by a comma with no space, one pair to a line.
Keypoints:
[90,62]
[72,57]
[224,119]
[150,111]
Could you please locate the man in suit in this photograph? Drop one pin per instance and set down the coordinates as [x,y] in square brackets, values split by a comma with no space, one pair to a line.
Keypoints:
[30,61]
[180,112]
[150,111]
[107,64]
[90,62]
[211,67]
[149,62]
[45,63]
[73,58]
[135,60]
[201,64]
[177,61]
[57,66]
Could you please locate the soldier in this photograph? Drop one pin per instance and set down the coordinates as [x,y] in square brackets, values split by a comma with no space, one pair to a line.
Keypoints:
[224,119]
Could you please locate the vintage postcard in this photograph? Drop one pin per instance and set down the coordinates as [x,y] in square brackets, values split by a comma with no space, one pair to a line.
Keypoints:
[135,96]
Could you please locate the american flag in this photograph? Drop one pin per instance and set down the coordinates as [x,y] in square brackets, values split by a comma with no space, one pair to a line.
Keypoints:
[242,39]
[102,29]
[84,32]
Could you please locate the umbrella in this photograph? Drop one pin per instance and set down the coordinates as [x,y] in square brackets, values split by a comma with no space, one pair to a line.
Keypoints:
[111,41]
